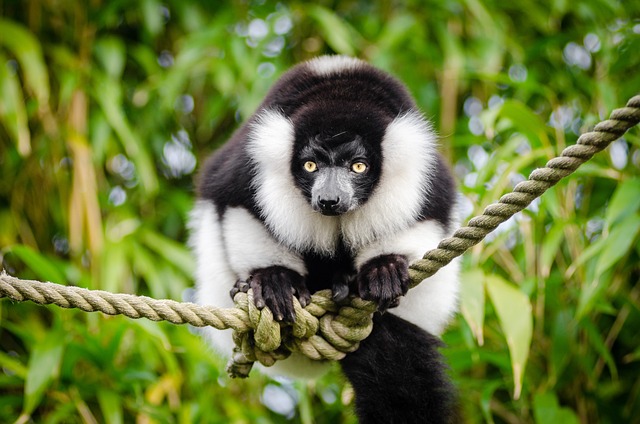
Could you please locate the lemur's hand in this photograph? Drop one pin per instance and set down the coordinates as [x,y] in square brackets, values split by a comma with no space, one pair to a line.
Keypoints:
[274,287]
[384,279]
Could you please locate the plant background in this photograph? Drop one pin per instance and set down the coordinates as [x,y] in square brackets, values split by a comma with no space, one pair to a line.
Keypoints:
[108,107]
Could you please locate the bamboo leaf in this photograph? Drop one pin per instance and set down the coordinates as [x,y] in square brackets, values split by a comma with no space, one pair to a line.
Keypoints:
[514,313]
[110,51]
[27,49]
[618,243]
[525,121]
[562,336]
[152,14]
[336,31]
[13,112]
[111,406]
[44,366]
[625,201]
[550,245]
[547,410]
[109,96]
[44,268]
[472,302]
[172,251]
[599,345]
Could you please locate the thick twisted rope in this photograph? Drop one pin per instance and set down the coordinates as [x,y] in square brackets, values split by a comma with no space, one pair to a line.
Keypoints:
[323,329]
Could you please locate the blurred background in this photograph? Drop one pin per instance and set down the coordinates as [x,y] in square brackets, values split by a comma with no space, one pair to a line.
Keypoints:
[107,108]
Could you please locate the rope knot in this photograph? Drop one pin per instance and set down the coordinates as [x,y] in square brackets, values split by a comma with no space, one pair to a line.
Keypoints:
[323,330]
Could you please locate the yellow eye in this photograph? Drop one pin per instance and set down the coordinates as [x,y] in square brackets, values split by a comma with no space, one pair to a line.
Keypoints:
[359,167]
[310,166]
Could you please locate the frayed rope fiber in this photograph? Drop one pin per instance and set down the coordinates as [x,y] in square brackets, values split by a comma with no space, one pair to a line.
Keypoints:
[323,330]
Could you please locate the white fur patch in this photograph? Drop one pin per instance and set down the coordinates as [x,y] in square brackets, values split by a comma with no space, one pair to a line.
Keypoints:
[327,65]
[412,242]
[249,245]
[432,304]
[214,278]
[408,151]
[285,210]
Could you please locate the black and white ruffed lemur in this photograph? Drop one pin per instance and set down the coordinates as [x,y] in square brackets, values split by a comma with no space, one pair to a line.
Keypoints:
[335,182]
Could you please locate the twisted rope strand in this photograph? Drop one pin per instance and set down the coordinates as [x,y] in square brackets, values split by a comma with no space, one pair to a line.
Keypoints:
[323,329]
[123,304]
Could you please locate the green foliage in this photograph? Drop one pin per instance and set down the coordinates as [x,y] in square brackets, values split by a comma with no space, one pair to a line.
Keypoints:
[106,107]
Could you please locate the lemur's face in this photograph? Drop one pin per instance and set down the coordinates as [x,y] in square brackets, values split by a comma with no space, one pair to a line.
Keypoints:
[336,173]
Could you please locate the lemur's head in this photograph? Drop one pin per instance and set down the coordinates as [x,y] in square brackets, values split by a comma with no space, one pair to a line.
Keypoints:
[337,158]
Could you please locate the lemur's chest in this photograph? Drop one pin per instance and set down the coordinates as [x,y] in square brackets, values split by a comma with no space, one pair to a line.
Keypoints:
[325,271]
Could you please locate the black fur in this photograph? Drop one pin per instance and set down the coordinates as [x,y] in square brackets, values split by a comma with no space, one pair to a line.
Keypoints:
[399,376]
[330,272]
[358,88]
[442,195]
[226,176]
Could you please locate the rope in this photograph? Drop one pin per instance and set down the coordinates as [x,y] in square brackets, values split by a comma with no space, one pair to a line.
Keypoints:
[323,330]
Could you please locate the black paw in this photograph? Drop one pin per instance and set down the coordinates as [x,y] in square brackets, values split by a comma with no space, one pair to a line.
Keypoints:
[274,287]
[384,279]
[340,286]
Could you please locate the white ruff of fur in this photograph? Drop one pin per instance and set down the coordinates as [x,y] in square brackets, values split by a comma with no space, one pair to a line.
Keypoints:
[327,65]
[249,246]
[213,276]
[408,151]
[285,210]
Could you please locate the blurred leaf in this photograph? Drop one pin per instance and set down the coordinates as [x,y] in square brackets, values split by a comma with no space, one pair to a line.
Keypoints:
[110,51]
[546,410]
[619,242]
[116,270]
[585,256]
[44,366]
[485,400]
[562,336]
[12,365]
[154,330]
[145,57]
[597,342]
[625,201]
[399,29]
[472,301]
[44,268]
[27,49]
[173,252]
[525,121]
[514,312]
[13,112]
[336,31]
[108,95]
[111,406]
[553,238]
[152,14]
